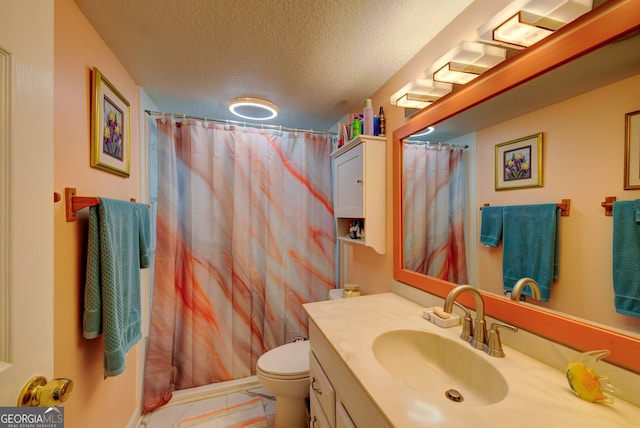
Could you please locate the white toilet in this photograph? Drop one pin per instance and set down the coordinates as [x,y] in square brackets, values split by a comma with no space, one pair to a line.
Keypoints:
[284,371]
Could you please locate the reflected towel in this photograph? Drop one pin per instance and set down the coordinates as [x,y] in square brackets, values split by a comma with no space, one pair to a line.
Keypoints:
[117,247]
[530,246]
[491,226]
[626,257]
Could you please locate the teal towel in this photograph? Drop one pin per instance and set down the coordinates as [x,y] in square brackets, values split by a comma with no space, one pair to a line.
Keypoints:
[626,257]
[530,246]
[117,247]
[491,226]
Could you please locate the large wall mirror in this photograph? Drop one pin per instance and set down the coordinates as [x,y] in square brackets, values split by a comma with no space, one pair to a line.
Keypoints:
[599,50]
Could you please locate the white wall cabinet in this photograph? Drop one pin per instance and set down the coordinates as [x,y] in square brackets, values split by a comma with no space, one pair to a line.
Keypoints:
[359,190]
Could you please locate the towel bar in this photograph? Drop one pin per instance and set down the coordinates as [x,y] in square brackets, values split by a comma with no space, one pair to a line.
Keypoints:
[74,203]
[608,205]
[564,205]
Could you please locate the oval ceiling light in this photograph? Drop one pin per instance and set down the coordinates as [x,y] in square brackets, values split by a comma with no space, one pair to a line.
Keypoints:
[427,131]
[253,108]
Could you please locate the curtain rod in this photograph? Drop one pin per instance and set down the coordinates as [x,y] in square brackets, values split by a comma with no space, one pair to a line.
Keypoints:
[235,122]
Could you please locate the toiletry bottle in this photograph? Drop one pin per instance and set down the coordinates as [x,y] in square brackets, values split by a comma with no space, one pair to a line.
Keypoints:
[382,126]
[355,127]
[368,118]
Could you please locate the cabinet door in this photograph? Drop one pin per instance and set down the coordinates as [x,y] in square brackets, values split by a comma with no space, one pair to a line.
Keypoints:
[348,183]
[343,420]
[321,392]
[317,418]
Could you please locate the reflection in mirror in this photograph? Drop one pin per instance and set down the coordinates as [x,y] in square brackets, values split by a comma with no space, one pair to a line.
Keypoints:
[434,209]
[580,90]
[578,61]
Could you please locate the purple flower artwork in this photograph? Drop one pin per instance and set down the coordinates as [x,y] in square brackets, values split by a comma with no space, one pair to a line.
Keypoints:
[517,164]
[113,130]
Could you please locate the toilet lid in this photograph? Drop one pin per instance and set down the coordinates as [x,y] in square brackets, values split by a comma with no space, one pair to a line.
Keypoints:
[288,359]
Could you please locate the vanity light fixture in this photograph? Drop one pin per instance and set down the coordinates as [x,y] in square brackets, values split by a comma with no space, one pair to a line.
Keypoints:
[526,22]
[465,62]
[253,108]
[420,93]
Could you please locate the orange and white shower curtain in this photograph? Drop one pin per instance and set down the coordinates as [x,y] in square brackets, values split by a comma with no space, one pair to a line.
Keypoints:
[245,235]
[433,201]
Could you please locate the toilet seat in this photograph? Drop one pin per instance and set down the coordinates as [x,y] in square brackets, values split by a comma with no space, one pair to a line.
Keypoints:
[288,361]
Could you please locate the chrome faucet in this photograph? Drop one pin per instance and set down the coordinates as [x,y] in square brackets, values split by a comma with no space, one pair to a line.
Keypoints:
[479,338]
[519,287]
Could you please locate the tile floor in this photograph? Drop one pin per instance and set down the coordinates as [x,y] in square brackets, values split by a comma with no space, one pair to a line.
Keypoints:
[171,415]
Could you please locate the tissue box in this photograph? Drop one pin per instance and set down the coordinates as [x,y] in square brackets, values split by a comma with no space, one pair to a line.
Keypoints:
[452,321]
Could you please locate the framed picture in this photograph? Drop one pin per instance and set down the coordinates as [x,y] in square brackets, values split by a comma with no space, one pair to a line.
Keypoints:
[519,163]
[632,151]
[110,144]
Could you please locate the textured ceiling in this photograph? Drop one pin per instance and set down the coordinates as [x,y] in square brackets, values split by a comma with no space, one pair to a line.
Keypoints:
[316,59]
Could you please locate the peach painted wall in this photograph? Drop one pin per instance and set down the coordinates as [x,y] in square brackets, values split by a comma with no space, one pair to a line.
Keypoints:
[371,270]
[583,161]
[95,402]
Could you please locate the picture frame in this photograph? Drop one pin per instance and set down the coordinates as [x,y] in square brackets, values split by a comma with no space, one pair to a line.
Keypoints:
[110,127]
[632,150]
[519,163]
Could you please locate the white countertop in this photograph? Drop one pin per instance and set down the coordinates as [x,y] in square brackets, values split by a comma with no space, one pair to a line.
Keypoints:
[538,394]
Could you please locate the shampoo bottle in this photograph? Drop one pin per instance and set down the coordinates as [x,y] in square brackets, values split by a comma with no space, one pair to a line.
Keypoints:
[355,127]
[368,118]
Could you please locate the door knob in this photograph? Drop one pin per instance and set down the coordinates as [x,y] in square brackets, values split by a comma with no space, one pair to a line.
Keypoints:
[39,392]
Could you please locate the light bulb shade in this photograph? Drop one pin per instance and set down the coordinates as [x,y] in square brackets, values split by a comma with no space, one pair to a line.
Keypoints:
[465,62]
[411,100]
[525,22]
[253,108]
[524,29]
[420,93]
[458,73]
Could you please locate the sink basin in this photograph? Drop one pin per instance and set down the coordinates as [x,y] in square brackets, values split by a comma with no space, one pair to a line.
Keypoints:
[440,368]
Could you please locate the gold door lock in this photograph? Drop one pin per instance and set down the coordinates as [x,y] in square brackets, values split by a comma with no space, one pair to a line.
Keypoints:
[39,392]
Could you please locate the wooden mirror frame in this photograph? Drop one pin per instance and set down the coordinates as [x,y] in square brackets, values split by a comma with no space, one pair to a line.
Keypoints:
[615,19]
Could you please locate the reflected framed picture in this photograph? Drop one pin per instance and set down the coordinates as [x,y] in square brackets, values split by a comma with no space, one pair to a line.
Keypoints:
[110,144]
[632,150]
[519,163]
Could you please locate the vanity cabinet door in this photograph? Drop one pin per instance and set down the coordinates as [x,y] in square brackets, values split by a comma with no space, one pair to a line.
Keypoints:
[343,420]
[321,392]
[318,418]
[348,187]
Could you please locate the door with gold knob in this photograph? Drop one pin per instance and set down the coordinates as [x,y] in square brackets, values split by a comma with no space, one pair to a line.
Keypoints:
[26,188]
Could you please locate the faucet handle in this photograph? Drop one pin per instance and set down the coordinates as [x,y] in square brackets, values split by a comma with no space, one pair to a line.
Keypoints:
[494,345]
[467,324]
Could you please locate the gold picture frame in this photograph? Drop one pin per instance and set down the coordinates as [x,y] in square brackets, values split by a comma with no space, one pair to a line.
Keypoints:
[110,120]
[519,163]
[632,150]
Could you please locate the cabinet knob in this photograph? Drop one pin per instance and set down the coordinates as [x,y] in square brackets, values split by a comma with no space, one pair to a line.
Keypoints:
[359,181]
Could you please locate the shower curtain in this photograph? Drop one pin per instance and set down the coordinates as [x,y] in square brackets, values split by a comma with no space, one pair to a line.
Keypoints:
[245,235]
[433,201]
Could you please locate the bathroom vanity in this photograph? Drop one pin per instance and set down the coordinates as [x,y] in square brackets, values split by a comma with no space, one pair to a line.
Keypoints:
[375,361]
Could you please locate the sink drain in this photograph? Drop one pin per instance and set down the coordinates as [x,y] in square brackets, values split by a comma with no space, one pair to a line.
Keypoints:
[454,395]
